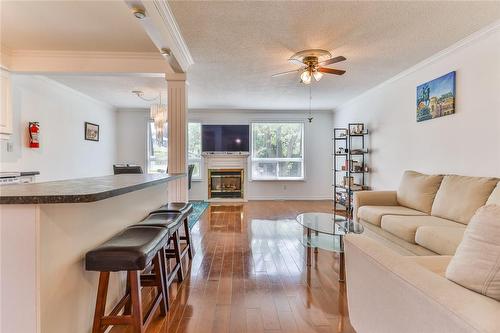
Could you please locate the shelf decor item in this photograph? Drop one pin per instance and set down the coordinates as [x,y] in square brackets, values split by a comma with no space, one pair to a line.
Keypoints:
[436,98]
[91,132]
[350,165]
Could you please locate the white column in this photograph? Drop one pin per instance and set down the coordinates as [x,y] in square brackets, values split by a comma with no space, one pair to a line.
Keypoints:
[177,134]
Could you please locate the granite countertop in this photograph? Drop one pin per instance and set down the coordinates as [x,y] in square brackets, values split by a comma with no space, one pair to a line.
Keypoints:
[18,174]
[81,190]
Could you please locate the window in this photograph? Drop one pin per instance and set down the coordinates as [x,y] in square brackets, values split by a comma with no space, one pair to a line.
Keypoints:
[157,150]
[278,151]
[194,148]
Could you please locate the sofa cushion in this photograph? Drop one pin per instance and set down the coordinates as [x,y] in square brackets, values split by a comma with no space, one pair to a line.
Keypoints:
[494,198]
[373,214]
[476,264]
[405,227]
[459,197]
[442,240]
[417,191]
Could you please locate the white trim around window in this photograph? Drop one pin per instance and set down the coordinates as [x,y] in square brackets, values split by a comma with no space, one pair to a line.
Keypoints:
[269,168]
[195,154]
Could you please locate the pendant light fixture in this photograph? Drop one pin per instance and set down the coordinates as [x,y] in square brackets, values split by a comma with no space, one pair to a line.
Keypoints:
[158,114]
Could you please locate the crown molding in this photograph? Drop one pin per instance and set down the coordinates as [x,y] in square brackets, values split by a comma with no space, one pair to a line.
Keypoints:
[484,32]
[5,57]
[176,77]
[183,56]
[44,61]
[164,32]
[86,54]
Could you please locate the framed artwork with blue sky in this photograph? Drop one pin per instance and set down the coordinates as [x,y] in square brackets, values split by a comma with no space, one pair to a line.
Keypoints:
[436,98]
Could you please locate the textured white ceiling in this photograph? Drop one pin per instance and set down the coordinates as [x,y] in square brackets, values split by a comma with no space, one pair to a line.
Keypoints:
[237,46]
[71,26]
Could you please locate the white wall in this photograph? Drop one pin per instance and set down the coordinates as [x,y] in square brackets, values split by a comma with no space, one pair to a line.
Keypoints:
[318,149]
[466,143]
[318,159]
[131,136]
[61,111]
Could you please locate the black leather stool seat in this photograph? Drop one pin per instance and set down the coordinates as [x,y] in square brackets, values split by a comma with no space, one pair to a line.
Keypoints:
[175,207]
[130,250]
[165,220]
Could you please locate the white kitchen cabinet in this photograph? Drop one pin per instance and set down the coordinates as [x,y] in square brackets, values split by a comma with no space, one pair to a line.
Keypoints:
[5,105]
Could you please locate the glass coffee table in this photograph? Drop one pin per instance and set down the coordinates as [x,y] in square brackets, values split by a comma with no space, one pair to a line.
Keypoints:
[326,231]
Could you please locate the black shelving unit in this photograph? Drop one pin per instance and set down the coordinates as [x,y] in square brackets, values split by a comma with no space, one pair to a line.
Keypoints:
[350,163]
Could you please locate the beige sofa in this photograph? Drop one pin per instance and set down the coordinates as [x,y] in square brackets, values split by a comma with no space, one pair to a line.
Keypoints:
[388,292]
[428,214]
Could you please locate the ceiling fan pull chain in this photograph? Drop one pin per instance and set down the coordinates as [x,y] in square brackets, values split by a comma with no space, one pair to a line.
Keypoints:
[310,118]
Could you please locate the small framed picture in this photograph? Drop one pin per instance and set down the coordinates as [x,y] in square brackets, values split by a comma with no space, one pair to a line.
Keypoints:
[91,132]
[356,129]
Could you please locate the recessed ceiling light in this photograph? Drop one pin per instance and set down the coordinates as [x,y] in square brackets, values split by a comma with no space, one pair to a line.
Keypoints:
[166,52]
[139,13]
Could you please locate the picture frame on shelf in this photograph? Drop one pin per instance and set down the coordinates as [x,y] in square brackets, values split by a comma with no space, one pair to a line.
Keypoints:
[356,129]
[340,133]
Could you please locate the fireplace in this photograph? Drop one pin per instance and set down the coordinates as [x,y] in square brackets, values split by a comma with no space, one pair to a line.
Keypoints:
[225,183]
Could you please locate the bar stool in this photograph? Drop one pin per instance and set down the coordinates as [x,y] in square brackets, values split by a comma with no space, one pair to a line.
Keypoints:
[184,208]
[132,250]
[172,222]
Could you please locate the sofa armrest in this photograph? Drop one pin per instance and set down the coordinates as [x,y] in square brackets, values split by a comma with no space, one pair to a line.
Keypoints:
[389,293]
[373,198]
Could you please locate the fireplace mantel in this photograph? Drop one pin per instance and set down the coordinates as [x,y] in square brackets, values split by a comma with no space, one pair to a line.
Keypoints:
[220,161]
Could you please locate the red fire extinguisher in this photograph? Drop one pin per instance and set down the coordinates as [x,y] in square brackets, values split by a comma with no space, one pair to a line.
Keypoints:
[34,130]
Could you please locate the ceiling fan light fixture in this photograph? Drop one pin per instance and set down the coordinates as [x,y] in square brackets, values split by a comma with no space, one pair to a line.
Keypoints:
[317,75]
[305,77]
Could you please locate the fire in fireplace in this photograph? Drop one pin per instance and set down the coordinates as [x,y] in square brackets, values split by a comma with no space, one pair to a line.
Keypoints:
[225,183]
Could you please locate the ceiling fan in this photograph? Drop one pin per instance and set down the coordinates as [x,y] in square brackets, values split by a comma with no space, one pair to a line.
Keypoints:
[312,62]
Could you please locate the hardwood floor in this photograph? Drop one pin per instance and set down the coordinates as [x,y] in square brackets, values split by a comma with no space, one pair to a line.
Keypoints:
[249,275]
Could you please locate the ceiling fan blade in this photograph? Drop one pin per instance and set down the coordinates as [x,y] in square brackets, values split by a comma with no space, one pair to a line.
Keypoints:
[284,73]
[332,60]
[331,71]
[295,61]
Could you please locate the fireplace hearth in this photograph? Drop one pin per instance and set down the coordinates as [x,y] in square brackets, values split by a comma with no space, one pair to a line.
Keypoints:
[225,183]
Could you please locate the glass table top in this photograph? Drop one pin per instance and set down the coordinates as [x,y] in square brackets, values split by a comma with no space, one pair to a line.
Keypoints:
[330,224]
[326,230]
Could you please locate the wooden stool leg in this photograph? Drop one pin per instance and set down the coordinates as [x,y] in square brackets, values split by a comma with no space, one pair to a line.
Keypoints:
[135,298]
[128,306]
[160,282]
[100,307]
[163,263]
[187,231]
[177,250]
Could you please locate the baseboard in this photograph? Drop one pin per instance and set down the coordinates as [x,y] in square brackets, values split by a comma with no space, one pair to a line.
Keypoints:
[288,198]
[255,198]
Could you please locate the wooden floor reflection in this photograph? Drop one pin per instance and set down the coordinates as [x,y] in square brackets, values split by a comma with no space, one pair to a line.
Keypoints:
[249,275]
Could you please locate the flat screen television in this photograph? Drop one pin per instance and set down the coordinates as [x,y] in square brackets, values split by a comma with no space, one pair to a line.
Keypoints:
[224,138]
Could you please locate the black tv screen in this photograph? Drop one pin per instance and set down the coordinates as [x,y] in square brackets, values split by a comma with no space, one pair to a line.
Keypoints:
[224,138]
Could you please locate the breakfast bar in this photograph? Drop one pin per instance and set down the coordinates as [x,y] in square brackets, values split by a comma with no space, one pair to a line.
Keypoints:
[45,231]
